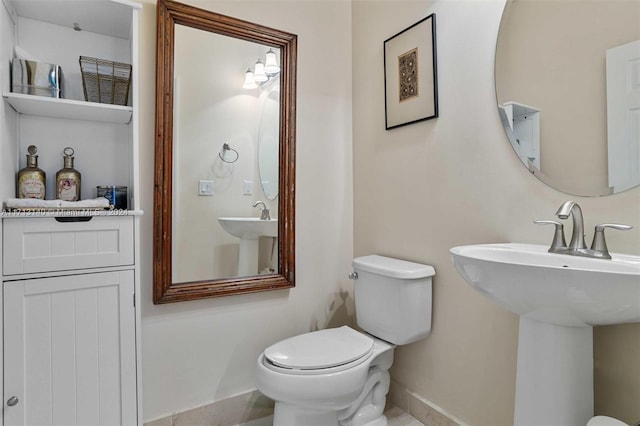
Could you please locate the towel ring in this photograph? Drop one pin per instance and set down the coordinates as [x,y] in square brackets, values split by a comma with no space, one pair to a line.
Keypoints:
[225,148]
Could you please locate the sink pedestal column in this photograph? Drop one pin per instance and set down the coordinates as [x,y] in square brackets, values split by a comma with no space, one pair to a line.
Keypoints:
[554,378]
[248,256]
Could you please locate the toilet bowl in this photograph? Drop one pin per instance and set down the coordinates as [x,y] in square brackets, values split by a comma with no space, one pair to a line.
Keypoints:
[317,395]
[605,421]
[340,376]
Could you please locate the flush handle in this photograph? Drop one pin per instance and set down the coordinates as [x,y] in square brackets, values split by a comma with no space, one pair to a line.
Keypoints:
[353,276]
[12,401]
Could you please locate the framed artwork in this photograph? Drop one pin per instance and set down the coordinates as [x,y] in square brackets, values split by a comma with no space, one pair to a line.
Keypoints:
[410,75]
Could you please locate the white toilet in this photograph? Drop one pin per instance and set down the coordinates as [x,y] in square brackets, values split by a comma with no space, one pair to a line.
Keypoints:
[605,421]
[340,376]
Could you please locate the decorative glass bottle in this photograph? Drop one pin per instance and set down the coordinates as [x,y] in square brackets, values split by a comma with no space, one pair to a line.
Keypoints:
[32,181]
[68,179]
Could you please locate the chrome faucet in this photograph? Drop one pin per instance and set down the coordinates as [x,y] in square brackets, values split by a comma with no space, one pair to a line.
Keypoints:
[264,214]
[577,246]
[577,237]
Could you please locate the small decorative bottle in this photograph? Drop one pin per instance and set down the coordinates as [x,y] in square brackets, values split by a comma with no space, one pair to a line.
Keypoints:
[32,181]
[68,179]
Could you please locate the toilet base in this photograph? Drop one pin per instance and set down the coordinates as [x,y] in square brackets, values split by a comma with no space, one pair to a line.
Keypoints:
[380,421]
[289,415]
[367,409]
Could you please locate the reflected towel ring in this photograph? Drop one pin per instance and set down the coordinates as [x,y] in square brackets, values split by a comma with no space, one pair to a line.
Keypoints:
[225,148]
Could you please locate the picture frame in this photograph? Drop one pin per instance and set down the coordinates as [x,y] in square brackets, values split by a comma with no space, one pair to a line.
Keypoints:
[410,74]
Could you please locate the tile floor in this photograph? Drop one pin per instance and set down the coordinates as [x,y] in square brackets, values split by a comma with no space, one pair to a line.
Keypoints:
[395,416]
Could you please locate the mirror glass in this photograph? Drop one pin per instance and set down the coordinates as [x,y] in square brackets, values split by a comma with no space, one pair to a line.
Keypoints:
[212,111]
[268,141]
[224,157]
[568,92]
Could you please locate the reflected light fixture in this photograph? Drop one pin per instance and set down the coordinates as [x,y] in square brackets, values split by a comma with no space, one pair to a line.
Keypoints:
[249,81]
[271,65]
[258,72]
[262,71]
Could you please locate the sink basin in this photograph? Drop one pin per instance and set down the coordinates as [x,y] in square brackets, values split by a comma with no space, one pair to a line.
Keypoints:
[249,227]
[555,288]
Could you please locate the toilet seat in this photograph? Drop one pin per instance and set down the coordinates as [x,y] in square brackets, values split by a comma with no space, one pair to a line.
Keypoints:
[319,352]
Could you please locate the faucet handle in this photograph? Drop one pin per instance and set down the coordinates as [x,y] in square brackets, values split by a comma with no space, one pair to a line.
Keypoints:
[599,244]
[618,226]
[558,243]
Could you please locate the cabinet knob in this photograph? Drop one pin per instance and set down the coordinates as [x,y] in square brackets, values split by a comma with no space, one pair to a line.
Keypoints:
[12,401]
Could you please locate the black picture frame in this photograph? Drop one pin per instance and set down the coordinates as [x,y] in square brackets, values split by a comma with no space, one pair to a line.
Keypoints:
[410,74]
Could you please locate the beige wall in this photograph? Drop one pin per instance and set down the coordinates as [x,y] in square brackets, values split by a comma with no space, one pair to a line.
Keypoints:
[617,371]
[203,351]
[423,188]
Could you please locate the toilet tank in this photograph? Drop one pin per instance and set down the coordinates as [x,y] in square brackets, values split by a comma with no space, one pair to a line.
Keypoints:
[393,298]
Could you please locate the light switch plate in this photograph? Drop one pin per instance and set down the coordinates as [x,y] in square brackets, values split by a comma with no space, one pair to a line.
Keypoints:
[205,187]
[247,188]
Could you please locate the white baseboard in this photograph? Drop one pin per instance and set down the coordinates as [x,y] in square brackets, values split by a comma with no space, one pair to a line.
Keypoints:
[421,409]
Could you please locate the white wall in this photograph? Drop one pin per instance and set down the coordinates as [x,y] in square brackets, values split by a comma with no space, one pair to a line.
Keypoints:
[423,188]
[203,351]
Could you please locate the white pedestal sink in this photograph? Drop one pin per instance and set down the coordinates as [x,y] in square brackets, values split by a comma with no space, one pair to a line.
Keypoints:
[559,298]
[249,230]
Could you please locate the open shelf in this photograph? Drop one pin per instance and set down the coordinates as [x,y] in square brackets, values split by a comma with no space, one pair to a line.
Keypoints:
[108,17]
[67,108]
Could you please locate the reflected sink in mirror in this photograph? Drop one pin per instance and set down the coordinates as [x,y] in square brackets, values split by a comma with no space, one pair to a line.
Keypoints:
[554,288]
[249,230]
[249,227]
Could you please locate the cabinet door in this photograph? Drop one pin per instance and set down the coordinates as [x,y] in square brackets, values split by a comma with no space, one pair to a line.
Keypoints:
[70,350]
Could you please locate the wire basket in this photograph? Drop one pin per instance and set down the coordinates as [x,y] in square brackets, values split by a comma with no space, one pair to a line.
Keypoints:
[106,82]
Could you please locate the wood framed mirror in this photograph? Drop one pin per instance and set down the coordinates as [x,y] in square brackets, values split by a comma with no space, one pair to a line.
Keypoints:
[167,287]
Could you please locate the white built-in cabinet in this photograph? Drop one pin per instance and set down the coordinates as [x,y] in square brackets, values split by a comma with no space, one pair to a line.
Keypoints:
[70,348]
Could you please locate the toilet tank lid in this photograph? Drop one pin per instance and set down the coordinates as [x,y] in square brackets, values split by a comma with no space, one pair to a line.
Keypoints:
[393,268]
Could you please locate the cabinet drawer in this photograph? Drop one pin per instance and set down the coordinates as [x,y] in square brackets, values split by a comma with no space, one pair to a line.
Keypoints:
[33,245]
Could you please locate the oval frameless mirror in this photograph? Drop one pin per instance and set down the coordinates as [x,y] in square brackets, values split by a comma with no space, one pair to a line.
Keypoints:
[268,142]
[562,74]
